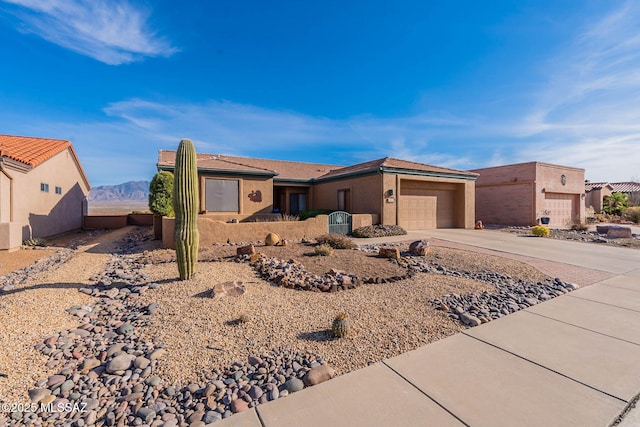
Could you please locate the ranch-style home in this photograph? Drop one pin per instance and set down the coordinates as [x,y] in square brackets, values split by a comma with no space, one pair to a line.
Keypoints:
[597,191]
[396,192]
[521,194]
[43,189]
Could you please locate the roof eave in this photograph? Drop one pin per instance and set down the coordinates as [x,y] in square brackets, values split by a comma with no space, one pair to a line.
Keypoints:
[434,174]
[226,172]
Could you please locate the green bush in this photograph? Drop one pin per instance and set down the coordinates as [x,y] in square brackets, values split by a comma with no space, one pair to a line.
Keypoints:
[632,214]
[312,213]
[36,241]
[378,230]
[161,194]
[336,241]
[540,231]
[615,203]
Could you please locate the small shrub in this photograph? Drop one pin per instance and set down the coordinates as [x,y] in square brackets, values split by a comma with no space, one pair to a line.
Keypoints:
[287,217]
[378,230]
[323,250]
[312,213]
[340,325]
[577,224]
[540,231]
[632,214]
[601,217]
[34,242]
[336,241]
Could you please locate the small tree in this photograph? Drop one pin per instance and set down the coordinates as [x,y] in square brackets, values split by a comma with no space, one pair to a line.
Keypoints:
[161,200]
[615,203]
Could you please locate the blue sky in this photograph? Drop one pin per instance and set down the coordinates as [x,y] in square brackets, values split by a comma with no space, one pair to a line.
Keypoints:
[463,84]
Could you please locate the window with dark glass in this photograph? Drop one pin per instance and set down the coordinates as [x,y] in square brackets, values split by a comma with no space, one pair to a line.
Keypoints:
[221,195]
[44,187]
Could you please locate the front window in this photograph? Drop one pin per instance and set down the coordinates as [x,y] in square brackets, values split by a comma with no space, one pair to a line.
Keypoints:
[222,195]
[58,190]
[44,187]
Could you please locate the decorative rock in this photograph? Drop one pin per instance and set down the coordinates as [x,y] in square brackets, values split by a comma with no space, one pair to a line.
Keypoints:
[37,394]
[254,360]
[318,375]
[55,380]
[293,384]
[619,232]
[255,392]
[229,289]
[89,364]
[393,253]
[141,362]
[239,405]
[146,414]
[246,250]
[419,247]
[119,363]
[470,320]
[272,239]
[158,353]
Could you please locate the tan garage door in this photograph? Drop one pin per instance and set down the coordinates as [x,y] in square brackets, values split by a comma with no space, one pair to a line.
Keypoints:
[426,205]
[417,212]
[562,208]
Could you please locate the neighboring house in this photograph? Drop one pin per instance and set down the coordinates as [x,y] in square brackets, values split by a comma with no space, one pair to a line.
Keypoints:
[43,189]
[409,194]
[522,193]
[597,191]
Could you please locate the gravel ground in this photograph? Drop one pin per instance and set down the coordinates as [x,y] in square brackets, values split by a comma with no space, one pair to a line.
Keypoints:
[11,261]
[386,319]
[36,309]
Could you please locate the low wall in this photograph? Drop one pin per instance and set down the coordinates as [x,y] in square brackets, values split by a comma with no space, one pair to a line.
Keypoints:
[10,236]
[99,222]
[364,220]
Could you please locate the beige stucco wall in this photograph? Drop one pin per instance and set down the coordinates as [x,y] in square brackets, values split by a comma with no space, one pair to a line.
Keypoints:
[5,197]
[365,192]
[43,214]
[515,194]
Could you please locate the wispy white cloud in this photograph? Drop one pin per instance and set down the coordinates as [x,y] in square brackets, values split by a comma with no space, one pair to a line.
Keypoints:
[114,32]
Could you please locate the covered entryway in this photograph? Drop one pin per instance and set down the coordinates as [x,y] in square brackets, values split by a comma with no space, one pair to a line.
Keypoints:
[427,205]
[562,208]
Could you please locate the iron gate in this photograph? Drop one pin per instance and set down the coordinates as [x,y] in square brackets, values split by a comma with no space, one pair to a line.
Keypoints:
[340,222]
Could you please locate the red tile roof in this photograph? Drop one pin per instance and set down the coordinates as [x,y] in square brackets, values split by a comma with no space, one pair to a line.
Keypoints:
[33,151]
[626,187]
[29,150]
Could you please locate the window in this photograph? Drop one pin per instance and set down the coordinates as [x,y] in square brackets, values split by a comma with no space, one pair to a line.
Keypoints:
[221,195]
[344,200]
[44,187]
[297,203]
[58,190]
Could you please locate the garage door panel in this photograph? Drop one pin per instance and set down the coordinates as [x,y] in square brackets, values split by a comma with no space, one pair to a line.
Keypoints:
[562,208]
[417,212]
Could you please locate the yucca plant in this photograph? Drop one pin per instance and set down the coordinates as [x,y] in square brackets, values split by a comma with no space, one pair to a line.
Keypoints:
[340,326]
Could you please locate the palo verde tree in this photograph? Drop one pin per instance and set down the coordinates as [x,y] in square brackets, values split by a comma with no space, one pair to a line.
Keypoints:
[185,205]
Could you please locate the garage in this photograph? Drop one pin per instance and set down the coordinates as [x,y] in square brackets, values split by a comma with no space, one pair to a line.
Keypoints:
[426,205]
[561,208]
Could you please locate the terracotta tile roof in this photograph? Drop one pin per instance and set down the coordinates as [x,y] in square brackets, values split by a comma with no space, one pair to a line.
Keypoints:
[626,187]
[29,150]
[588,186]
[389,162]
[280,169]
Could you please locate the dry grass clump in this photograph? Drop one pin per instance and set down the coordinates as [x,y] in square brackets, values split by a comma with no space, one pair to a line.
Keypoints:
[323,250]
[336,241]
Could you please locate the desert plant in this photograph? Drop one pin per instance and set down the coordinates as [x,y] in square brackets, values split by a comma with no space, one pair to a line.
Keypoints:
[378,230]
[540,231]
[336,241]
[632,214]
[185,205]
[36,241]
[323,250]
[340,325]
[287,217]
[615,203]
[576,223]
[161,194]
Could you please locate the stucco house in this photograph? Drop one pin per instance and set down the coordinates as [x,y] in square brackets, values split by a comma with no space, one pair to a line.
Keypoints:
[520,194]
[597,191]
[42,189]
[412,195]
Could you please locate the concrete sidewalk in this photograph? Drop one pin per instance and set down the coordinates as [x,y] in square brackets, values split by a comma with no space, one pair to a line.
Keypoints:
[571,361]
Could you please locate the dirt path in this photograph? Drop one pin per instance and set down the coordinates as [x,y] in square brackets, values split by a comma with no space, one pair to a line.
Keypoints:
[35,310]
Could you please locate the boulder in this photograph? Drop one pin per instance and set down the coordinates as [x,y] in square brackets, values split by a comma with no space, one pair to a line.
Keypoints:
[393,253]
[619,232]
[419,247]
[229,289]
[272,239]
[318,375]
[246,250]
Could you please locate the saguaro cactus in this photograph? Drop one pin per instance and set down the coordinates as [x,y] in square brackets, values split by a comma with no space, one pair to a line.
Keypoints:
[185,205]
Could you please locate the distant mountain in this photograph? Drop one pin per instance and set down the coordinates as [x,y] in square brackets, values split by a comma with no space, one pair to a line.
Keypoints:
[132,191]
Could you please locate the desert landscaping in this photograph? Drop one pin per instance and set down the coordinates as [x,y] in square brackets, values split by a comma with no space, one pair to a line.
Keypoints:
[109,325]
